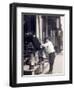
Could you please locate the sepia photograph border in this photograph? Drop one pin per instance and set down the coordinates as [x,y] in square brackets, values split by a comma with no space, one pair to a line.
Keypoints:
[13,44]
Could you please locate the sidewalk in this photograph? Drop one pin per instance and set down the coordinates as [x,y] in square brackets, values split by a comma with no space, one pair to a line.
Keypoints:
[58,67]
[59,64]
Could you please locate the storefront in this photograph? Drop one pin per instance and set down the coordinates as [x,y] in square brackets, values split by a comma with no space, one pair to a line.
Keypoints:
[42,26]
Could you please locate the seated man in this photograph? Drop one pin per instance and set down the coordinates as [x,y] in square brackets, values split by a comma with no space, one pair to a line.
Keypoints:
[38,47]
[36,43]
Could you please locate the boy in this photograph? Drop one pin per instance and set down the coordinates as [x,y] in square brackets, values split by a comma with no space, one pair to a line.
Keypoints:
[49,48]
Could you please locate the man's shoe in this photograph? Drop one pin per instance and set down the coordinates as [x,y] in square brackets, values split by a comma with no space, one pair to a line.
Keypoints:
[49,72]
